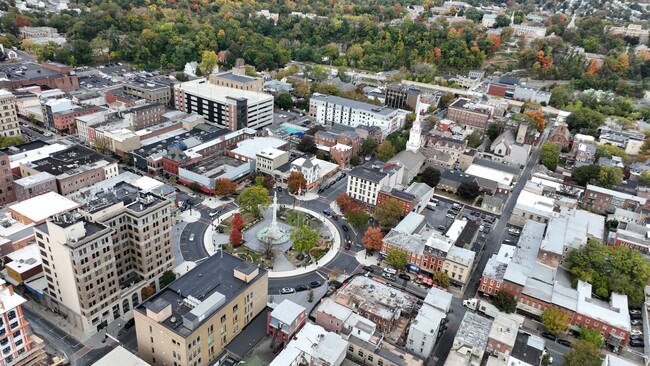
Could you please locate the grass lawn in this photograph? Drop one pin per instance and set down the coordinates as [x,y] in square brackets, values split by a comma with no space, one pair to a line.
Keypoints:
[226,228]
[455,197]
[296,218]
[249,255]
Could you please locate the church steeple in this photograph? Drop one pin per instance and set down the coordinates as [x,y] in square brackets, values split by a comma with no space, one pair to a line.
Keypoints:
[416,131]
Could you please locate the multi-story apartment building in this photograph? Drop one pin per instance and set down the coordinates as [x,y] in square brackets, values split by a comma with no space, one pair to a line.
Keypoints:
[34,185]
[7,193]
[270,159]
[98,259]
[329,109]
[152,90]
[141,117]
[74,168]
[528,31]
[237,79]
[64,121]
[17,346]
[632,30]
[191,321]
[8,115]
[471,115]
[401,96]
[603,201]
[365,183]
[227,107]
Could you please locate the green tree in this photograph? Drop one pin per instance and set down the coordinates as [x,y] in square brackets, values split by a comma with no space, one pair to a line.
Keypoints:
[585,120]
[583,354]
[445,100]
[441,279]
[469,190]
[430,176]
[102,145]
[585,174]
[555,320]
[474,14]
[493,131]
[397,258]
[505,302]
[385,151]
[607,151]
[610,177]
[284,101]
[11,141]
[501,21]
[550,155]
[252,199]
[209,60]
[645,177]
[592,336]
[307,145]
[304,238]
[475,139]
[319,73]
[355,160]
[388,212]
[357,217]
[167,278]
[301,88]
[368,147]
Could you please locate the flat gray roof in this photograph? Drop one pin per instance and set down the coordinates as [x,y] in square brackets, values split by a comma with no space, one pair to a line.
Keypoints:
[354,104]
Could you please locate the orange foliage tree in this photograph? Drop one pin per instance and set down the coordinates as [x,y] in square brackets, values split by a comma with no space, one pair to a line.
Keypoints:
[296,181]
[237,222]
[593,67]
[496,41]
[539,118]
[224,186]
[544,62]
[372,239]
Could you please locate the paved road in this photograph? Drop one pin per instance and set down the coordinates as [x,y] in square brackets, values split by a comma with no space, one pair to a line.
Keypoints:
[57,337]
[494,240]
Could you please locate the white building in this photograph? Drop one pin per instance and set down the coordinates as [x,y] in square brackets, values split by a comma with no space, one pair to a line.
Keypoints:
[8,117]
[314,170]
[529,31]
[268,160]
[364,184]
[470,341]
[227,107]
[424,329]
[313,345]
[329,109]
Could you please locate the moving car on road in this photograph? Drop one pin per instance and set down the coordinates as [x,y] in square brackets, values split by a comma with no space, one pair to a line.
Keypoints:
[192,236]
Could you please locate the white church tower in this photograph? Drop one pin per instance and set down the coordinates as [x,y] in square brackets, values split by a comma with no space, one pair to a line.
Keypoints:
[416,131]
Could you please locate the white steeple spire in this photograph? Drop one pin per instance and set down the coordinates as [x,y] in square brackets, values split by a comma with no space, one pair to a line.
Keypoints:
[416,131]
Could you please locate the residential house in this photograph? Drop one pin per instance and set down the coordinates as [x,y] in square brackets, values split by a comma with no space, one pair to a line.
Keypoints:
[560,136]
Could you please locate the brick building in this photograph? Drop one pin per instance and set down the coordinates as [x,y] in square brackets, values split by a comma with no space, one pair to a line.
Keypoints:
[34,185]
[471,115]
[602,201]
[64,121]
[407,200]
[7,193]
[560,136]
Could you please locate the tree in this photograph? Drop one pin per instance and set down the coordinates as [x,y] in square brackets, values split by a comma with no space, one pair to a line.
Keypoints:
[310,295]
[555,320]
[102,145]
[610,176]
[505,302]
[585,120]
[372,239]
[430,176]
[307,145]
[345,202]
[469,190]
[237,222]
[388,212]
[441,279]
[493,131]
[645,177]
[501,21]
[284,101]
[209,61]
[538,116]
[583,354]
[224,186]
[146,292]
[252,199]
[585,174]
[304,238]
[167,278]
[11,141]
[385,150]
[301,88]
[236,238]
[550,155]
[368,147]
[445,100]
[475,139]
[592,336]
[319,73]
[355,160]
[607,151]
[397,258]
[357,217]
[296,182]
[474,14]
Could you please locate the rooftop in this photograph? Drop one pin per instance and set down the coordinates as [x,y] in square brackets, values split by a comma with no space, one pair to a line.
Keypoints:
[25,71]
[271,153]
[571,229]
[122,193]
[366,173]
[69,161]
[623,196]
[8,299]
[439,299]
[375,297]
[250,147]
[474,330]
[24,259]
[504,329]
[527,348]
[221,93]
[39,208]
[313,342]
[235,77]
[353,104]
[287,312]
[33,180]
[410,224]
[211,283]
[120,356]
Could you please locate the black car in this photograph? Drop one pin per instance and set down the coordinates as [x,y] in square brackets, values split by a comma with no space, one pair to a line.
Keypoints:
[302,288]
[315,284]
[321,190]
[549,336]
[564,342]
[368,269]
[637,338]
[130,323]
[280,189]
[345,228]
[404,276]
[636,343]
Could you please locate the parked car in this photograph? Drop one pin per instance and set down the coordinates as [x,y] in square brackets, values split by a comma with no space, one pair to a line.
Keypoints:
[404,276]
[315,284]
[343,175]
[549,336]
[368,269]
[192,236]
[345,228]
[335,217]
[442,227]
[287,290]
[280,189]
[636,343]
[191,195]
[300,288]
[564,342]
[327,212]
[390,270]
[637,337]
[636,321]
[321,190]
[130,323]
[348,246]
[636,332]
[450,216]
[635,312]
[389,276]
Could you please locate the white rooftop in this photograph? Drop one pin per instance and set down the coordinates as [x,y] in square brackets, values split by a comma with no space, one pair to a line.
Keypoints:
[271,153]
[39,208]
[535,203]
[504,329]
[461,255]
[572,228]
[410,223]
[494,175]
[24,259]
[36,154]
[617,314]
[287,311]
[313,342]
[8,299]
[222,94]
[439,299]
[525,256]
[455,229]
[612,360]
[250,147]
[120,356]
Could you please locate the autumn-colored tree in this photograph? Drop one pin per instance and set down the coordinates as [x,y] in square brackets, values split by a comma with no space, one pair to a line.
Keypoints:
[372,239]
[538,116]
[237,222]
[346,203]
[644,54]
[496,41]
[623,61]
[21,21]
[224,186]
[296,182]
[236,238]
[544,62]
[146,292]
[593,67]
[437,53]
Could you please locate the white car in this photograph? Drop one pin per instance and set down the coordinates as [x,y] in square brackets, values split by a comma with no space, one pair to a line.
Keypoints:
[191,195]
[390,270]
[636,332]
[192,237]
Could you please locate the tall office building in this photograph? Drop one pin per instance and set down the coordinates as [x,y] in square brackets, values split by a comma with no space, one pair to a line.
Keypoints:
[99,258]
[8,115]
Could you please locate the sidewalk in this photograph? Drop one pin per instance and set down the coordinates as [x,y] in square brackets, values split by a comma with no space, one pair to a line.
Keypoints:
[209,236]
[189,215]
[372,260]
[308,196]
